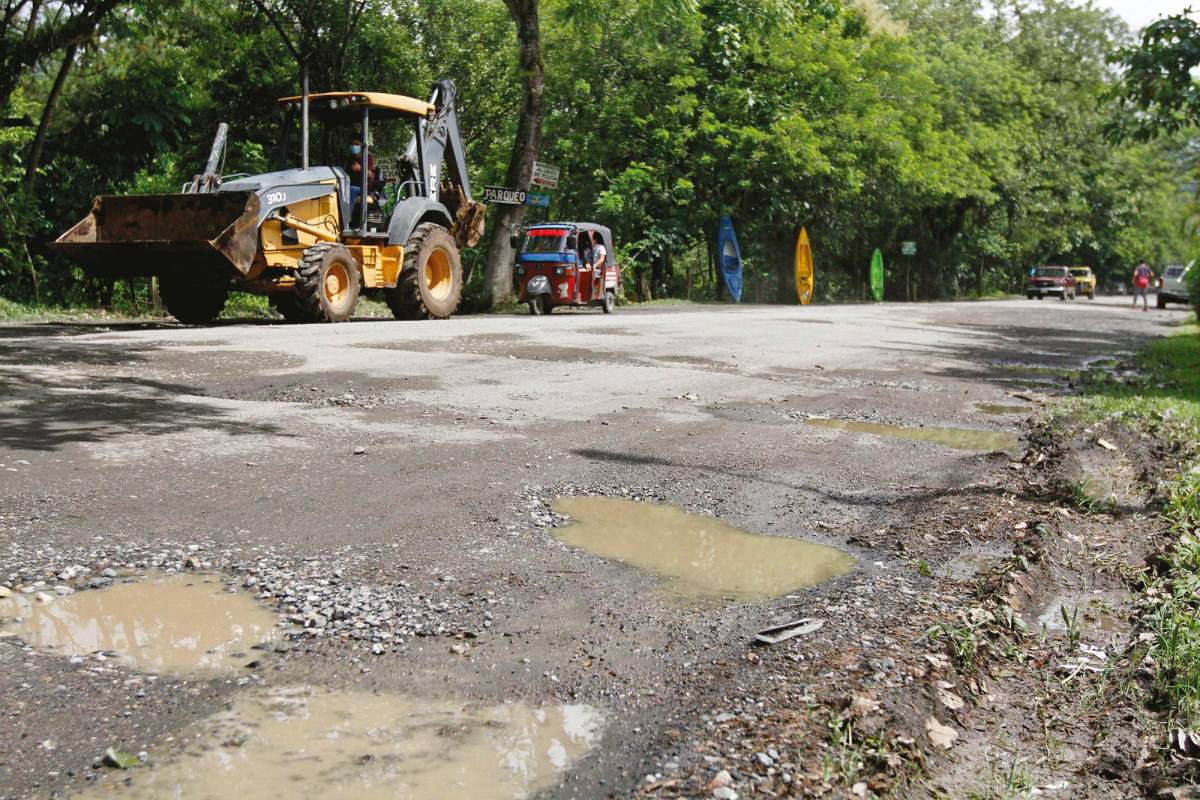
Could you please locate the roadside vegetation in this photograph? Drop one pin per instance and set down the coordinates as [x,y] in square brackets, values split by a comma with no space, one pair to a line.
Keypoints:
[1164,400]
[873,124]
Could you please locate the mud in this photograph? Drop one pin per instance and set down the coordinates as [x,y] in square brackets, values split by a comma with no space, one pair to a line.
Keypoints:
[182,625]
[697,558]
[300,741]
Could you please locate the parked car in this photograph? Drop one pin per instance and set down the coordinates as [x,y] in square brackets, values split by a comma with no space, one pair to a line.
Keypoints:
[1173,285]
[1053,280]
[1085,281]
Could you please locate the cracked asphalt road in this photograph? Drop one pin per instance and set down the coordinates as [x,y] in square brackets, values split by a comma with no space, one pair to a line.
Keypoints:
[242,437]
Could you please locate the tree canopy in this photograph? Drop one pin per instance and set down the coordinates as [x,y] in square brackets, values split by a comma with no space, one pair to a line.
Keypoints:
[983,135]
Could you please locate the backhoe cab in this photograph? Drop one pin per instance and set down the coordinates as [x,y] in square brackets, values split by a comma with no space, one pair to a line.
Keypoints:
[310,238]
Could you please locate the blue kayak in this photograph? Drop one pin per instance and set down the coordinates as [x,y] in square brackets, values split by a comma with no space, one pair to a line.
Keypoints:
[731,258]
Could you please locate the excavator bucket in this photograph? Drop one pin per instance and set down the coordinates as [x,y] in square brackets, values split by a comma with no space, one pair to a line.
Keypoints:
[156,234]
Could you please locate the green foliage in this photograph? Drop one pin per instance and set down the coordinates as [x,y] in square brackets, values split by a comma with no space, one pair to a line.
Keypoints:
[976,136]
[1157,89]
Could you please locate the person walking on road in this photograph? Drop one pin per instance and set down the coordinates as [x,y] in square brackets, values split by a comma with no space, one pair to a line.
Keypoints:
[1142,275]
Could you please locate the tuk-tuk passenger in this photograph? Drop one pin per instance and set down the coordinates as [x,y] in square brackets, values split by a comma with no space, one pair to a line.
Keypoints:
[599,254]
[599,259]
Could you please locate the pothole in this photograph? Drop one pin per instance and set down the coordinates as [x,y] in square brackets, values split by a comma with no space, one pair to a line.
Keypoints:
[697,557]
[1002,409]
[181,624]
[957,438]
[314,743]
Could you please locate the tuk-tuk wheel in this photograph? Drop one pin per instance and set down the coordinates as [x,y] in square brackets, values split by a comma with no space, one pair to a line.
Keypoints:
[535,307]
[541,305]
[610,302]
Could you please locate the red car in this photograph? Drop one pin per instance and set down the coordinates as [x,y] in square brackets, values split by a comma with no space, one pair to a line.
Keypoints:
[1055,281]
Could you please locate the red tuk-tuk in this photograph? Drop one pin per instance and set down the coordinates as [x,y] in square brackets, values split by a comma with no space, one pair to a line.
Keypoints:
[556,267]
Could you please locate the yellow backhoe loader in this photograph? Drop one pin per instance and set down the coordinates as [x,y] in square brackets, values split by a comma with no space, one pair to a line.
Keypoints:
[310,238]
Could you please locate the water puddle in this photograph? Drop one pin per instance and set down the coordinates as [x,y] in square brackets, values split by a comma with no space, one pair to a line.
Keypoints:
[1088,612]
[957,438]
[174,624]
[973,562]
[1038,369]
[309,743]
[698,557]
[1001,409]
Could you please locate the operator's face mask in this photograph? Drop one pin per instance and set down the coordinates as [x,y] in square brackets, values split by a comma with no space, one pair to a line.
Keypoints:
[356,149]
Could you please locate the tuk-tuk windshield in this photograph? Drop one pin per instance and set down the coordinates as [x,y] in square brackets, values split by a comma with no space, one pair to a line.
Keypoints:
[545,240]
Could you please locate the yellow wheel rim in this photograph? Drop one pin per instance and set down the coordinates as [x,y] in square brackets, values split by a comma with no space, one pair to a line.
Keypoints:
[439,278]
[337,284]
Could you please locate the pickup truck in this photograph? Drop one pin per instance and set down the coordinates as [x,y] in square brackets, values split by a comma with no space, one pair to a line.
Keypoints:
[1056,281]
[1173,285]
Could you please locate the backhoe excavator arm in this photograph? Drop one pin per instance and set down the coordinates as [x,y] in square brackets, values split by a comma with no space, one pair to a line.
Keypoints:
[437,141]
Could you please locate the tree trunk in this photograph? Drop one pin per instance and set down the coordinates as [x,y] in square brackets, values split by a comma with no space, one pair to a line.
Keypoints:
[39,140]
[508,218]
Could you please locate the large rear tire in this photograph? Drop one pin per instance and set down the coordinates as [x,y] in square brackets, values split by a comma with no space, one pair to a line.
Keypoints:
[327,284]
[431,279]
[191,301]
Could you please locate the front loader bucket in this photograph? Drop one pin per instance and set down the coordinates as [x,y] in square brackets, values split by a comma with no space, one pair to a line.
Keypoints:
[156,234]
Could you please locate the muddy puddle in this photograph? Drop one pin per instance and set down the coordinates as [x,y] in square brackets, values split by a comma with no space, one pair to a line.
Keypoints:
[311,743]
[698,558]
[974,562]
[957,438]
[1088,612]
[1002,409]
[172,624]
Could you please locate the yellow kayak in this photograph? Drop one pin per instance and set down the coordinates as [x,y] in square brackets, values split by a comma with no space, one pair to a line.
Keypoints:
[804,268]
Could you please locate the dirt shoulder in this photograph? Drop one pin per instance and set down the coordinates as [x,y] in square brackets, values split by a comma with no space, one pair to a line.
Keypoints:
[1020,666]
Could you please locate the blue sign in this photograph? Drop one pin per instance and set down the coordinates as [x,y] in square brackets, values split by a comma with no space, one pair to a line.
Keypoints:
[540,200]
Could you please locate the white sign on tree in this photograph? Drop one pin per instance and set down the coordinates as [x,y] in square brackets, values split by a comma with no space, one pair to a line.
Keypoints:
[545,175]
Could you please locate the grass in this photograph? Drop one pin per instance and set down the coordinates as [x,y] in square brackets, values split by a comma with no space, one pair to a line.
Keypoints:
[1165,399]
[239,306]
[1174,614]
[1168,389]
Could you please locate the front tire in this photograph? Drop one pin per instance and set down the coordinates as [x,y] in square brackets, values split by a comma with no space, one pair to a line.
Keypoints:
[327,284]
[1160,302]
[191,301]
[610,302]
[431,279]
